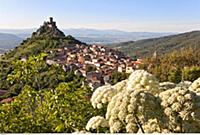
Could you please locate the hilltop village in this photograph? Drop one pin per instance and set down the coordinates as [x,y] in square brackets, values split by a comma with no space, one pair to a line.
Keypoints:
[96,63]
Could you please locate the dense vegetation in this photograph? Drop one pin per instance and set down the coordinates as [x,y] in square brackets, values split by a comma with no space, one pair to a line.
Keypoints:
[49,100]
[35,73]
[176,66]
[162,45]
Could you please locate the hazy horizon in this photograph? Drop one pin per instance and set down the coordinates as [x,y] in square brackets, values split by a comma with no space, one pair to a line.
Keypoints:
[127,15]
[81,28]
[88,28]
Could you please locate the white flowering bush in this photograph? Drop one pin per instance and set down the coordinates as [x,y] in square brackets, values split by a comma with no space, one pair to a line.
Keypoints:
[195,86]
[120,86]
[96,123]
[101,96]
[141,79]
[142,104]
[104,94]
[127,109]
[181,108]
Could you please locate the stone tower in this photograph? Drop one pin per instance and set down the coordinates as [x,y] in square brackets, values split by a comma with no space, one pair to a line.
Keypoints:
[51,19]
[51,23]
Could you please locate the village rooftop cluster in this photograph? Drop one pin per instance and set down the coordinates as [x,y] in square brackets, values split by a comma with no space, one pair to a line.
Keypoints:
[95,62]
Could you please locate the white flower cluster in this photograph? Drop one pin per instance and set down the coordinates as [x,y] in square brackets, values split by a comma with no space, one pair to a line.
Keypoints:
[120,86]
[140,79]
[195,86]
[141,103]
[152,126]
[126,106]
[182,109]
[96,122]
[105,93]
[101,95]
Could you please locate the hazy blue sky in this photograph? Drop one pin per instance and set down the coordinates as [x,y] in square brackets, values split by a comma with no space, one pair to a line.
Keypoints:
[128,15]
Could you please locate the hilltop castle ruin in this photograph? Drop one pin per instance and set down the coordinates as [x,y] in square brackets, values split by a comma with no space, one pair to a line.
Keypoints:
[48,29]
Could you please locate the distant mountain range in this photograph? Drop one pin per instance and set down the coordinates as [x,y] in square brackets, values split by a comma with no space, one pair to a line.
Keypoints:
[8,41]
[90,36]
[110,36]
[162,45]
[132,43]
[94,35]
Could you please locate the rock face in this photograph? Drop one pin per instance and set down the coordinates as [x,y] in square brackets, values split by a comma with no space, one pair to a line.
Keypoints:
[48,29]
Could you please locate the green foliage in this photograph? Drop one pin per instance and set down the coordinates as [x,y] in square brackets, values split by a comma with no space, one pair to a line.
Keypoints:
[174,75]
[118,76]
[5,69]
[37,74]
[191,73]
[49,99]
[63,109]
[176,66]
[25,71]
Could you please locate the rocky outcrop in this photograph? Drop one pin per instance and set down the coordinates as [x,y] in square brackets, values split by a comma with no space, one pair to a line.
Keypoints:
[48,29]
